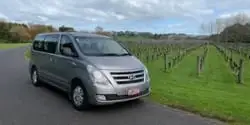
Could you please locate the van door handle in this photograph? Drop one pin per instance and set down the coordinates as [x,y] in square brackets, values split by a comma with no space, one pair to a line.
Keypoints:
[73,63]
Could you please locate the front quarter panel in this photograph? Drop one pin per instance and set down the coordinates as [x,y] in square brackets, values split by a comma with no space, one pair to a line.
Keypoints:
[82,74]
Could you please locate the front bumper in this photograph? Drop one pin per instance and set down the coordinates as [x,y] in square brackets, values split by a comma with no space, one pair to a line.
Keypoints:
[114,93]
[114,98]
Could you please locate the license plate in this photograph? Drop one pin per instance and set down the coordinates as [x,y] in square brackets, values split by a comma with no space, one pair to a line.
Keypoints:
[134,91]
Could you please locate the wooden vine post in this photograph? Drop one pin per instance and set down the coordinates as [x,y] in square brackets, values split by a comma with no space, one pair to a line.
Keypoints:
[198,66]
[240,72]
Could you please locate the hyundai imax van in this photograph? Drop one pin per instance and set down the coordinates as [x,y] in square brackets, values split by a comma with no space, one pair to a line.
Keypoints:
[92,69]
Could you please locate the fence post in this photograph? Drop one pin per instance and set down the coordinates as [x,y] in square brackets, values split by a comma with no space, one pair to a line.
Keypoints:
[231,62]
[179,55]
[147,58]
[240,72]
[169,64]
[198,66]
[231,54]
[226,55]
[137,54]
[174,61]
[201,63]
[165,62]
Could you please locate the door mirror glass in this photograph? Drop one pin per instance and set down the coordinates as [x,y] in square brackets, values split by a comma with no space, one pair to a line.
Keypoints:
[67,51]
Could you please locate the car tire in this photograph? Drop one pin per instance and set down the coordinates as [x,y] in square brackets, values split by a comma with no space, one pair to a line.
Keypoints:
[35,77]
[79,97]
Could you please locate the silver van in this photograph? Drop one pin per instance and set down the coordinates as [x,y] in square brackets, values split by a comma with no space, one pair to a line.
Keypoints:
[93,69]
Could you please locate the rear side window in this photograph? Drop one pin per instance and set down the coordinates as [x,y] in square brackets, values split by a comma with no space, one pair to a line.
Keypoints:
[38,43]
[50,43]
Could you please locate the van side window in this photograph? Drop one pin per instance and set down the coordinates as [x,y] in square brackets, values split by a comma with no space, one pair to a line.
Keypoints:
[50,43]
[38,43]
[66,42]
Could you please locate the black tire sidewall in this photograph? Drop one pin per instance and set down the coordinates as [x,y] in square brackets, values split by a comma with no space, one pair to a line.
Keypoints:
[85,105]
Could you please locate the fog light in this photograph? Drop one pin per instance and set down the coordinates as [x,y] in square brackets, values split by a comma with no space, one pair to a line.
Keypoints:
[101,97]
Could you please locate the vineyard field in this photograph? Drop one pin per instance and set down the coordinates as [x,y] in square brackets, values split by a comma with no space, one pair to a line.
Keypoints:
[213,93]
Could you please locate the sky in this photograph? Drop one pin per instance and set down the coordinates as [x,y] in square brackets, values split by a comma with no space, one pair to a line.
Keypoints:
[157,16]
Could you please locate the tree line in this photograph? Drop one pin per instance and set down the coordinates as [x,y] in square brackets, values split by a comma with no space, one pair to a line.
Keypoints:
[12,32]
[231,29]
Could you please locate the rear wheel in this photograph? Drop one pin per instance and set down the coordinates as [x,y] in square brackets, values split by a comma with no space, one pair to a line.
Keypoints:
[35,77]
[79,97]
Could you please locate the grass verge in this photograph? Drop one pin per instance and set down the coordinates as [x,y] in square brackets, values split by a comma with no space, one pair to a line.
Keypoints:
[214,94]
[12,45]
[27,54]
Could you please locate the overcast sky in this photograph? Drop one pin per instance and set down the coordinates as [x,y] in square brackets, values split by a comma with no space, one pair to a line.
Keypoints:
[183,16]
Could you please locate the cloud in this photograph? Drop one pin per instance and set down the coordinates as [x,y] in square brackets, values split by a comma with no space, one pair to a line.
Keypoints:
[2,16]
[112,12]
[108,10]
[176,25]
[234,13]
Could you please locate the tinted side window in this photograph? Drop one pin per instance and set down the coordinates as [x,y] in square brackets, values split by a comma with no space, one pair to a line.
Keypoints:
[66,42]
[50,43]
[38,43]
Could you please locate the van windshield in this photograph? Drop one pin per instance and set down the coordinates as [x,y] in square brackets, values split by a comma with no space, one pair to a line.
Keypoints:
[93,46]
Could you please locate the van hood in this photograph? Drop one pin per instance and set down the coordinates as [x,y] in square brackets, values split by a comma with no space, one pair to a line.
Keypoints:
[116,62]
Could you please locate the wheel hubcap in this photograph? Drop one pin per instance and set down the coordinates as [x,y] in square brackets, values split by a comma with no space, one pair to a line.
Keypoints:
[34,77]
[78,95]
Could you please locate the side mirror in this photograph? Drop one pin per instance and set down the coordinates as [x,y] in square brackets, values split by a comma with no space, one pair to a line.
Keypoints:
[68,52]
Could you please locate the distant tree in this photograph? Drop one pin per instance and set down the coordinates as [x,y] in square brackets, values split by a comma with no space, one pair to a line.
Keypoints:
[157,36]
[98,29]
[66,29]
[105,33]
[38,28]
[146,34]
[120,33]
[4,30]
[51,28]
[19,33]
[236,33]
[240,18]
[233,29]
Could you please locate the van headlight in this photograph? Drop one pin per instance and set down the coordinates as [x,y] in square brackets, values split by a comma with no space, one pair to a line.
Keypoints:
[147,79]
[97,76]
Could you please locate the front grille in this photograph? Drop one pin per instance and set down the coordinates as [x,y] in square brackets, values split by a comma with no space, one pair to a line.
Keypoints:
[128,77]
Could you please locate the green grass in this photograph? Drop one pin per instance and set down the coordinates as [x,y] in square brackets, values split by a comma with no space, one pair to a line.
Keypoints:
[27,54]
[214,94]
[12,45]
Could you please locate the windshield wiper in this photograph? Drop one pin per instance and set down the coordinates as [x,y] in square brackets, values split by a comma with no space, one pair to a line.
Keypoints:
[116,54]
[125,54]
[110,54]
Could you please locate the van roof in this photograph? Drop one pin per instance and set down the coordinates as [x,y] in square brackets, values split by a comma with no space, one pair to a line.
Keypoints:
[77,34]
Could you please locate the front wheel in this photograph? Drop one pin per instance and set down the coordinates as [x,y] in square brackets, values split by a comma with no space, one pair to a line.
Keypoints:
[35,77]
[79,97]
